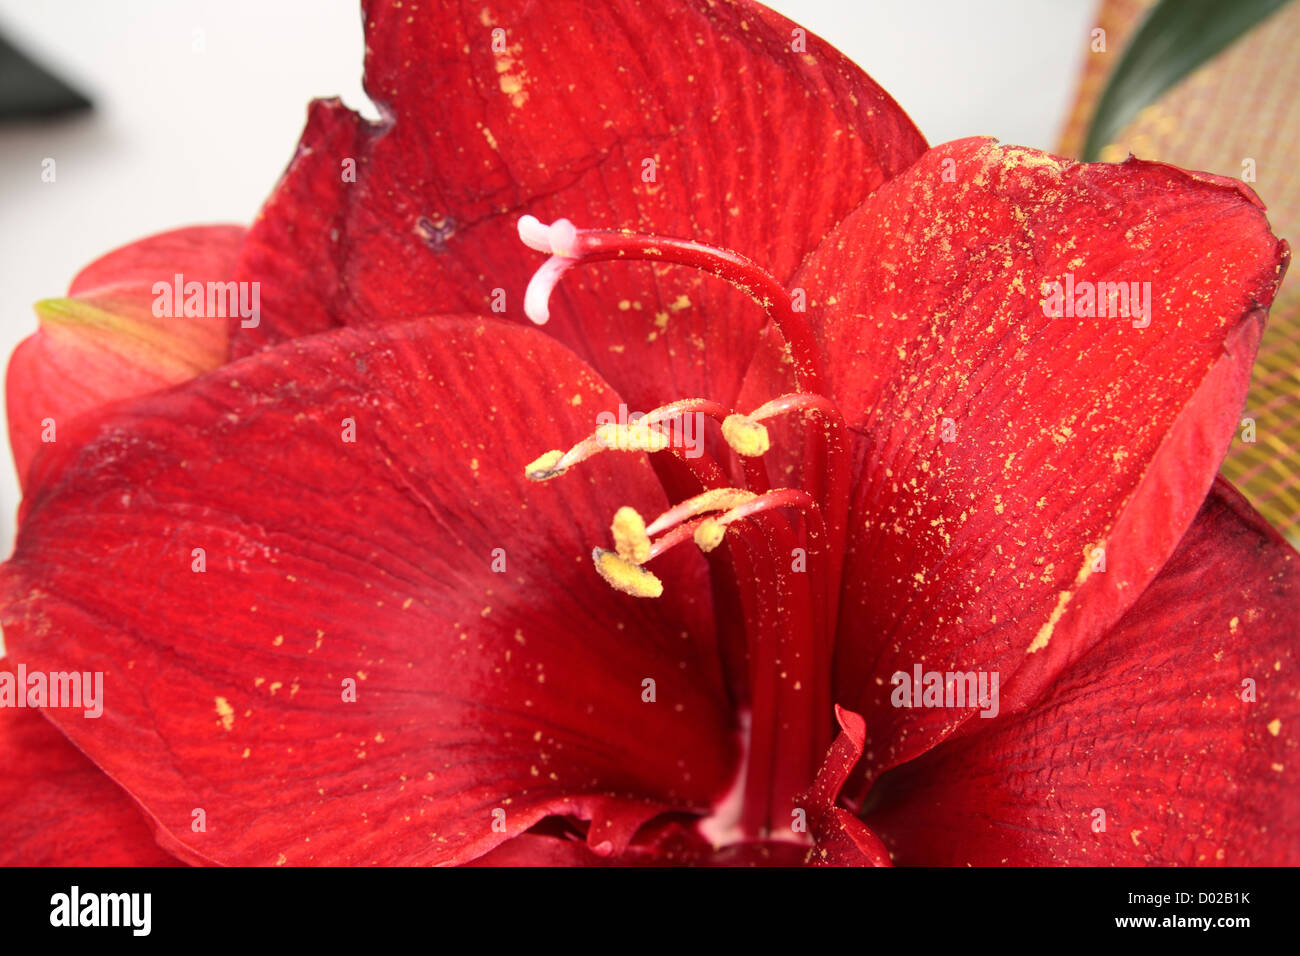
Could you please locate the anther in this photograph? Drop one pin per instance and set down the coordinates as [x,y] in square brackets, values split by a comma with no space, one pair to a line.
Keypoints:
[544,466]
[630,539]
[709,534]
[746,436]
[626,576]
[635,436]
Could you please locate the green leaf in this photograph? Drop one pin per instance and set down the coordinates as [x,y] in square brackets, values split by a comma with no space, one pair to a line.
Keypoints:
[1176,37]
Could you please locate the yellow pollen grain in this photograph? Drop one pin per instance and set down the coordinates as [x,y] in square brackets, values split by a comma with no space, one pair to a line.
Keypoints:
[512,85]
[709,534]
[225,712]
[630,540]
[1275,727]
[746,436]
[543,467]
[625,576]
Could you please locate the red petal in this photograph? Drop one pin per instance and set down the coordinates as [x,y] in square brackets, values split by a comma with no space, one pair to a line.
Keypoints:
[369,561]
[845,840]
[842,839]
[1150,727]
[1070,433]
[529,849]
[59,809]
[756,148]
[104,343]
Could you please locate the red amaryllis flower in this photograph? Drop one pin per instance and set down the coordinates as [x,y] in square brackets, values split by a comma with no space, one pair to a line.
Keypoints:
[929,466]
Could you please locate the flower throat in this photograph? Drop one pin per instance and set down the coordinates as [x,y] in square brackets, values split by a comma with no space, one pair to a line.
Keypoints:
[775,554]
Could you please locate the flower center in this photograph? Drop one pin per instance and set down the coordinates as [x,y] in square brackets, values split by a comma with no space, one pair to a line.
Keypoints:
[775,554]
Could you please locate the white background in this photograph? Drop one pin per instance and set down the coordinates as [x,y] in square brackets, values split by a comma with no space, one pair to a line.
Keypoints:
[180,137]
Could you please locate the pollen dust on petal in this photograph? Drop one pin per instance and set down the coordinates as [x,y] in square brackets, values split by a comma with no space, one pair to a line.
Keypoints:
[225,712]
[1062,602]
[512,78]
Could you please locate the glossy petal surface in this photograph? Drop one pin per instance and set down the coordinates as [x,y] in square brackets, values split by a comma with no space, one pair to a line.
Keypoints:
[391,638]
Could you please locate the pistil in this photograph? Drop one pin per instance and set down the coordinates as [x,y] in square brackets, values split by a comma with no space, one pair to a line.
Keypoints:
[780,575]
[569,245]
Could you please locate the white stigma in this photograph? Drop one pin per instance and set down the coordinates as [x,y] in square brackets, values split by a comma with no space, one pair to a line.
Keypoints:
[534,234]
[559,239]
[537,297]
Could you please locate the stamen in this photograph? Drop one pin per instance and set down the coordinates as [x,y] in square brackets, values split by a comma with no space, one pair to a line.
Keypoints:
[623,575]
[630,540]
[545,466]
[776,627]
[781,498]
[746,436]
[623,572]
[710,532]
[639,435]
[835,446]
[715,499]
